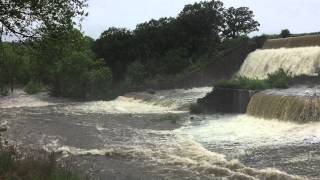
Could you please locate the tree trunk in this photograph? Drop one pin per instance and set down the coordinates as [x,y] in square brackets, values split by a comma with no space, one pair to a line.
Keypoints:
[12,84]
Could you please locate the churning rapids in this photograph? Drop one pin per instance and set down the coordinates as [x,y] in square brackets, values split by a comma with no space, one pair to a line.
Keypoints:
[126,138]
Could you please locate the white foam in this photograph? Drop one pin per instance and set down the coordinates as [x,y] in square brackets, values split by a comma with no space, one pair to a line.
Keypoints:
[297,61]
[21,99]
[244,132]
[167,101]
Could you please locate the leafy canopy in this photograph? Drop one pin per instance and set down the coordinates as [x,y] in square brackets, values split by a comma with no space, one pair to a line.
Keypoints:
[23,17]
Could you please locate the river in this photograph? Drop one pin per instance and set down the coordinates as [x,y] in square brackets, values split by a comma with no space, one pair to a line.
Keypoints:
[127,138]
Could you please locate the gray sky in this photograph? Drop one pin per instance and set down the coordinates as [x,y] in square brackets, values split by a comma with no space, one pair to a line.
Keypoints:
[298,16]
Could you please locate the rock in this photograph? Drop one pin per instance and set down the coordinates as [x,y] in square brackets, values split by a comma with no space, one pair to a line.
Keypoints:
[223,100]
[3,129]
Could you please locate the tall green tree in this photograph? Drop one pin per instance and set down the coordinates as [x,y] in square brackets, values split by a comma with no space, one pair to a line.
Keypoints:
[239,21]
[11,62]
[200,24]
[285,33]
[23,17]
[116,47]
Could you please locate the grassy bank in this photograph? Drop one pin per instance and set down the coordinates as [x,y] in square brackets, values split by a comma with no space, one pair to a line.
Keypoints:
[279,79]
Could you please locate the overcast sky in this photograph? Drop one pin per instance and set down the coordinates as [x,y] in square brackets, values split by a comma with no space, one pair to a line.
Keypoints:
[298,16]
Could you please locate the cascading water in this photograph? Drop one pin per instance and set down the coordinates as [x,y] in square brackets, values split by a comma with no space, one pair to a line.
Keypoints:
[296,61]
[124,138]
[294,104]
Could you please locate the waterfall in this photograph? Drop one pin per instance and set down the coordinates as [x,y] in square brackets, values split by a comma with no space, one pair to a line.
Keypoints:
[285,106]
[296,61]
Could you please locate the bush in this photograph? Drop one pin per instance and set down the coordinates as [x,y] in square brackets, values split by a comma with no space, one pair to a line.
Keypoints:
[4,91]
[195,109]
[33,87]
[279,79]
[242,83]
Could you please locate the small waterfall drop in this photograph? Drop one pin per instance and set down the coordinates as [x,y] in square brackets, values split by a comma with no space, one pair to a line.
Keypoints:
[296,104]
[297,61]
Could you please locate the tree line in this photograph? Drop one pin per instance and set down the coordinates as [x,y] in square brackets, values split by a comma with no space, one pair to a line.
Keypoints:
[70,64]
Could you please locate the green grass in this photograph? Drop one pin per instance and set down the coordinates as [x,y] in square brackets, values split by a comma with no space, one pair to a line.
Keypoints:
[279,79]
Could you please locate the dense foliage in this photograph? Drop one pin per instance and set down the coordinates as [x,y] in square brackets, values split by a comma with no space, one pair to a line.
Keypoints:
[67,63]
[285,33]
[170,45]
[23,18]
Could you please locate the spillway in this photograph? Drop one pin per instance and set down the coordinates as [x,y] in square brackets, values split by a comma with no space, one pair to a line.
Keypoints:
[296,61]
[295,104]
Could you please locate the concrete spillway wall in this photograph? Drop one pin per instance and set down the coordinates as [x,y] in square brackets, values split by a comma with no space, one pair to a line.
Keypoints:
[293,42]
[295,104]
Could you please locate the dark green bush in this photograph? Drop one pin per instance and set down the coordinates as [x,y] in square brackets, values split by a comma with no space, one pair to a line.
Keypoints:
[279,79]
[242,83]
[195,109]
[33,87]
[4,91]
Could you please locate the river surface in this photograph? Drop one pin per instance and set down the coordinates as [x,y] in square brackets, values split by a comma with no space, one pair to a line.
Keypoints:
[132,138]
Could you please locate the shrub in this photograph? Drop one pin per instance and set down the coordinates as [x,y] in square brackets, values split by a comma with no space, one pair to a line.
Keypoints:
[195,109]
[242,83]
[4,91]
[33,87]
[279,79]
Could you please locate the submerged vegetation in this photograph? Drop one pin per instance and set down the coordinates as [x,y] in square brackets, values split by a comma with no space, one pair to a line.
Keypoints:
[173,118]
[40,165]
[279,79]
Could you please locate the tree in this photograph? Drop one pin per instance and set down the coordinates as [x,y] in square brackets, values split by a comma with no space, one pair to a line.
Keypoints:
[239,21]
[11,61]
[200,24]
[23,17]
[285,33]
[136,73]
[116,47]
